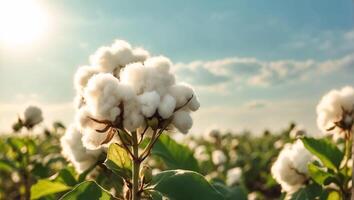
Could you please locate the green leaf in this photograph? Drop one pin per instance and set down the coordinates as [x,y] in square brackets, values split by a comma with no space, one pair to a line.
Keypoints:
[45,187]
[320,176]
[87,190]
[66,176]
[7,165]
[118,160]
[327,152]
[310,192]
[232,193]
[175,156]
[183,184]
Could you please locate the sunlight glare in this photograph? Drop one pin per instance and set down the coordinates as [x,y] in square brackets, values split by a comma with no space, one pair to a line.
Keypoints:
[21,22]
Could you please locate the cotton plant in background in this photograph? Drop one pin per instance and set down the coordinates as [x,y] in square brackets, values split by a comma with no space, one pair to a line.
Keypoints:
[32,116]
[320,167]
[128,94]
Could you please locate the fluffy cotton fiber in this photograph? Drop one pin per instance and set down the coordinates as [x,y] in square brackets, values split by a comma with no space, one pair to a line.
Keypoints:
[329,109]
[75,152]
[290,168]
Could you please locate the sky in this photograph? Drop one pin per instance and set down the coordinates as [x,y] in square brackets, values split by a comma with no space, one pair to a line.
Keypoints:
[255,65]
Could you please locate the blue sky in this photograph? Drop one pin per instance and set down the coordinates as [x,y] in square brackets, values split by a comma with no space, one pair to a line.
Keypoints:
[255,64]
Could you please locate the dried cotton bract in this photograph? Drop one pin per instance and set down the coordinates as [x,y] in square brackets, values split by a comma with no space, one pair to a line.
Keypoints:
[290,168]
[123,89]
[335,111]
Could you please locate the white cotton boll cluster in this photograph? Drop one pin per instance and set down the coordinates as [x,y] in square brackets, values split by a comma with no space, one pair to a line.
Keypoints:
[123,86]
[73,149]
[329,109]
[112,59]
[233,176]
[290,168]
[32,116]
[218,157]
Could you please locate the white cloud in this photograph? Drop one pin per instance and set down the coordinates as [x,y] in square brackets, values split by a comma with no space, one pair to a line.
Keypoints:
[255,72]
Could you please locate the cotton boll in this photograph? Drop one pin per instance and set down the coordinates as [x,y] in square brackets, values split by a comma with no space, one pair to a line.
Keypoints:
[149,102]
[212,135]
[182,121]
[182,93]
[32,116]
[133,117]
[300,157]
[115,57]
[167,106]
[218,157]
[233,176]
[82,75]
[92,139]
[75,152]
[289,170]
[329,110]
[160,63]
[148,77]
[200,153]
[104,94]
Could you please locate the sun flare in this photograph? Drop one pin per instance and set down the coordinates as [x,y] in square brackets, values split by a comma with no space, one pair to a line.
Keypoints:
[21,22]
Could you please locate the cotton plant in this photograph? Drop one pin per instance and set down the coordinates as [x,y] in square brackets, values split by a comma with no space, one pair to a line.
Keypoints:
[324,168]
[127,101]
[290,168]
[31,117]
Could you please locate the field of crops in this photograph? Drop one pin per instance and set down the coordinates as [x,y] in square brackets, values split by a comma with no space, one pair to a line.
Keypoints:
[121,144]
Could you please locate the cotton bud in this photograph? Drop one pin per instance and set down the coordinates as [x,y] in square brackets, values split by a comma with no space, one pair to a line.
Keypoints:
[233,176]
[218,157]
[32,116]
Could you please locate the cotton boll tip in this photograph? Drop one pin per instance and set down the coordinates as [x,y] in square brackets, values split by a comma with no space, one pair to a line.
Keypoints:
[182,121]
[167,106]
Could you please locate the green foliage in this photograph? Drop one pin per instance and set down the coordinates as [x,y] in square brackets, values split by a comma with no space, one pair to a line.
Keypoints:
[176,156]
[320,176]
[182,184]
[119,161]
[47,187]
[87,190]
[327,152]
